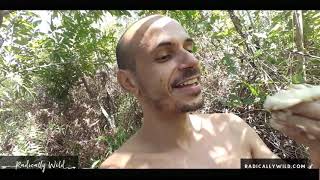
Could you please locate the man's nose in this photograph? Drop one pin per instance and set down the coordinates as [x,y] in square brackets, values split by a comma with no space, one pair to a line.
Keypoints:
[188,60]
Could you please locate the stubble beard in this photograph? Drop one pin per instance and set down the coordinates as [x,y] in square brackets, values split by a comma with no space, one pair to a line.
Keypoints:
[168,105]
[185,107]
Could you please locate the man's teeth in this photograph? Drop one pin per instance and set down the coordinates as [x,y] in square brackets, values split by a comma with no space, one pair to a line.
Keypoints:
[189,82]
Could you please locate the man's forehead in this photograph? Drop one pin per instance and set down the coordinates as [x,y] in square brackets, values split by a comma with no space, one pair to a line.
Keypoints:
[143,25]
[147,27]
[162,22]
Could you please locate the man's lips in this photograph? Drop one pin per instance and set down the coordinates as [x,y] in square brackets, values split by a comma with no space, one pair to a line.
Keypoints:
[195,80]
[190,86]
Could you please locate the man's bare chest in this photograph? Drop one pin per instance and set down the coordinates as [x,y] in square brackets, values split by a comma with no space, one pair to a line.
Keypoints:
[223,153]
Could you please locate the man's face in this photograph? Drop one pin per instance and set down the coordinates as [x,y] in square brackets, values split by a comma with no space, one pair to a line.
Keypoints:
[167,72]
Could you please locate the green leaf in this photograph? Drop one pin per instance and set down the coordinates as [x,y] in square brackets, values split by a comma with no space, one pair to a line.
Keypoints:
[230,63]
[252,89]
[234,101]
[248,101]
[21,41]
[297,78]
[119,13]
[258,53]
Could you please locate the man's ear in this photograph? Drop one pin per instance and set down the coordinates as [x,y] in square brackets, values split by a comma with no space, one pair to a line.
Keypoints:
[127,81]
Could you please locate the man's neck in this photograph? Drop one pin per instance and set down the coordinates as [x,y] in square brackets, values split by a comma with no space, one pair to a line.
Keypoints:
[165,131]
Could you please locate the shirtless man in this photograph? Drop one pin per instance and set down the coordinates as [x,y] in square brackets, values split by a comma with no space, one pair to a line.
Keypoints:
[157,66]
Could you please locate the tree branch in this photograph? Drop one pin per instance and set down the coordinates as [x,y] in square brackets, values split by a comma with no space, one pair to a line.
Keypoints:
[237,24]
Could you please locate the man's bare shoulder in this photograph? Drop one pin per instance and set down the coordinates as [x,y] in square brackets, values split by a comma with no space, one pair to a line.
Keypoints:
[229,124]
[240,129]
[121,158]
[127,156]
[223,118]
[113,162]
[133,160]
[236,123]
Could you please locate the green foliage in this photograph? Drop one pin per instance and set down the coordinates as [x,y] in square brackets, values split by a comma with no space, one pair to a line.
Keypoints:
[75,51]
[229,62]
[16,58]
[119,12]
[115,140]
[19,133]
[297,78]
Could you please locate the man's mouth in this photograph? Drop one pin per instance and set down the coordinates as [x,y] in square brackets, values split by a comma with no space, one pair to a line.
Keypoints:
[189,82]
[190,86]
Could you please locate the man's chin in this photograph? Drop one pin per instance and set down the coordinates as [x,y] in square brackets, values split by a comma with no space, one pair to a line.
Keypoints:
[190,106]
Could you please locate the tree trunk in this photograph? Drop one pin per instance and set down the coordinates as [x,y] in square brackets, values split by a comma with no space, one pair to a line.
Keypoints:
[88,89]
[250,19]
[237,24]
[299,67]
[108,116]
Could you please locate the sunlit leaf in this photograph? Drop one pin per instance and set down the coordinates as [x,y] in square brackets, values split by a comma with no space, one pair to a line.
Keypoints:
[230,63]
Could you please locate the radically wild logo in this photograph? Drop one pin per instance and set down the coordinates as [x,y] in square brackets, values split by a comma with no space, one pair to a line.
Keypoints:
[39,162]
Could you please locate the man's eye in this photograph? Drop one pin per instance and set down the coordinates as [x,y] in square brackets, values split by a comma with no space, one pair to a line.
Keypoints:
[163,58]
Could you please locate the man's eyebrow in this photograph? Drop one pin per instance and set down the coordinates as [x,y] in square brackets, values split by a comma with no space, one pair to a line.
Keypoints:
[169,43]
[164,43]
[161,44]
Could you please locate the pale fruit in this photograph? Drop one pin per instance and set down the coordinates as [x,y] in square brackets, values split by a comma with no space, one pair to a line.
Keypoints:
[294,95]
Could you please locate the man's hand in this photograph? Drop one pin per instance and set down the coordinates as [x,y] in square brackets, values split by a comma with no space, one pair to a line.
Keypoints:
[302,123]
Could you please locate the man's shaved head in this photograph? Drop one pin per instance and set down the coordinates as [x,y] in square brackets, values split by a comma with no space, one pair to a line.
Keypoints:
[129,41]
